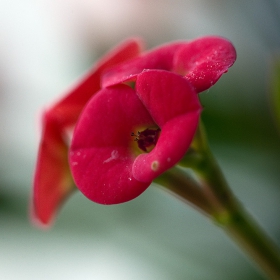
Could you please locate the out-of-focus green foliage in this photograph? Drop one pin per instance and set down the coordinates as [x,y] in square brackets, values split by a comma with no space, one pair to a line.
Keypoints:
[275,90]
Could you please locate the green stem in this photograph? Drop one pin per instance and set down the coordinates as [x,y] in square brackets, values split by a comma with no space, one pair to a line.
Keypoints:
[234,219]
[186,188]
[254,241]
[214,199]
[226,210]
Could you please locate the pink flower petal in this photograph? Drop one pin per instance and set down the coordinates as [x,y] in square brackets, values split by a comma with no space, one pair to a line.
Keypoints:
[175,107]
[203,61]
[68,109]
[101,153]
[158,58]
[53,181]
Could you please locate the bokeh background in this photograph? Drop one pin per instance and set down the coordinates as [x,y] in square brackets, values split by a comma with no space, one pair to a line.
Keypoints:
[45,45]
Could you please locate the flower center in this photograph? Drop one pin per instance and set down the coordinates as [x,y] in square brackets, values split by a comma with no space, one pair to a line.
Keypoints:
[147,138]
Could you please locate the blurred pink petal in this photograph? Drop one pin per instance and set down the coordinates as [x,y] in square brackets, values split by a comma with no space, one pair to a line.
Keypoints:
[53,180]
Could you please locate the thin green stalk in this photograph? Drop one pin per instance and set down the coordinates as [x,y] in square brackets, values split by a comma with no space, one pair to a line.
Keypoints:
[235,220]
[255,242]
[227,210]
[213,198]
[186,188]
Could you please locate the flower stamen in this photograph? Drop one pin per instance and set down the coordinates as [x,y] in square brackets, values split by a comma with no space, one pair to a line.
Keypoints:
[146,139]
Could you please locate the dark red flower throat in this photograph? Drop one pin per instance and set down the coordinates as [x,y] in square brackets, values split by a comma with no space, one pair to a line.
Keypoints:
[147,138]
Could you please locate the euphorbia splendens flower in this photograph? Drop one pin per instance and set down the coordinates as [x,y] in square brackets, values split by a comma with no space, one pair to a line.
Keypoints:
[107,165]
[134,116]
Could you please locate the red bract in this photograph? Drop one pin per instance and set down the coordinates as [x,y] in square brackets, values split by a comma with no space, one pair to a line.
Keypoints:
[53,181]
[201,61]
[137,117]
[106,163]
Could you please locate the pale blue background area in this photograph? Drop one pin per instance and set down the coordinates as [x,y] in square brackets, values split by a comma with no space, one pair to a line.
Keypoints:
[45,46]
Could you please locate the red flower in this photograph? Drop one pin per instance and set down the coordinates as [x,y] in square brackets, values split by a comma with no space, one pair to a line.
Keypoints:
[106,163]
[134,122]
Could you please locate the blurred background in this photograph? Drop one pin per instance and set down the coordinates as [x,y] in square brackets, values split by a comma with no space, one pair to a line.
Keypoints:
[45,46]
